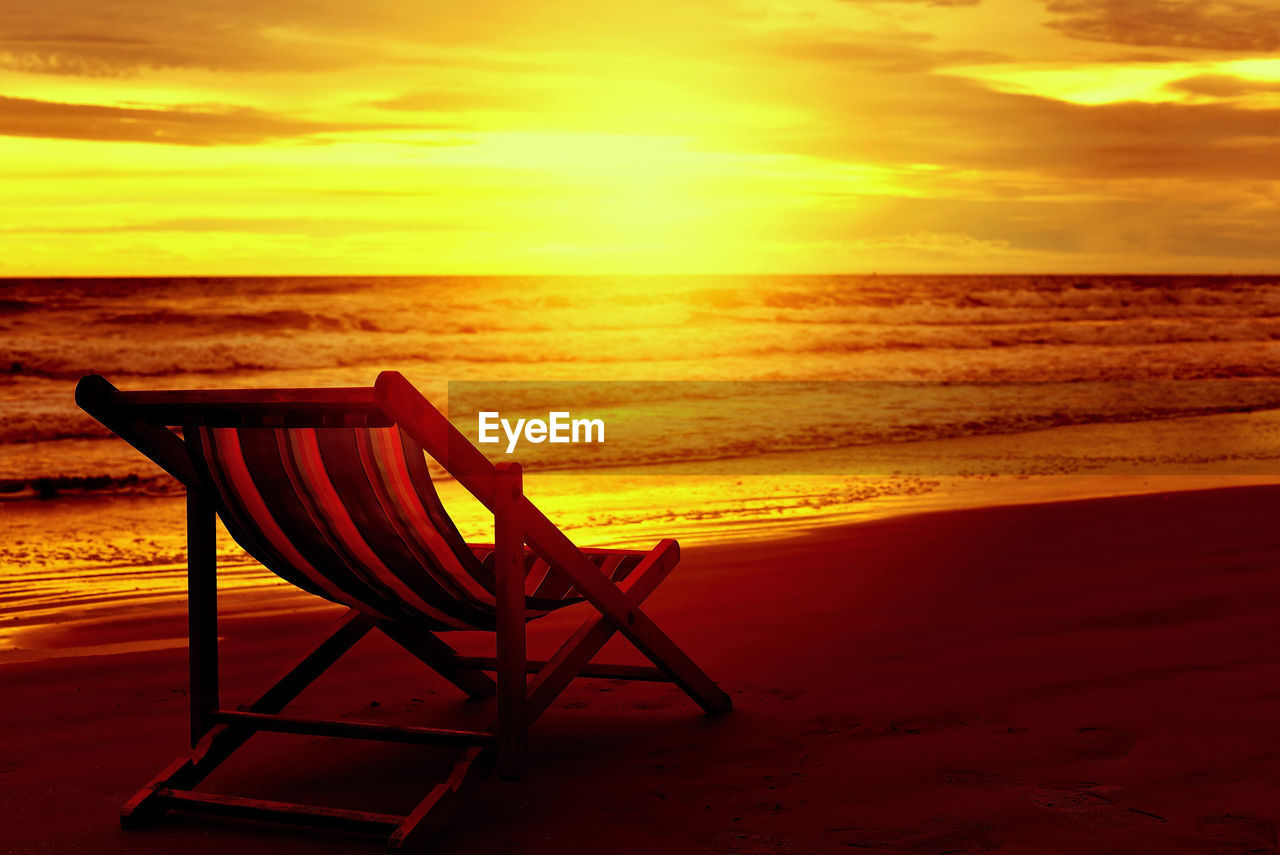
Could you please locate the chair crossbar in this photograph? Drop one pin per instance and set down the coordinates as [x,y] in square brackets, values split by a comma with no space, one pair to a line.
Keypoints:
[401,832]
[355,729]
[431,814]
[272,811]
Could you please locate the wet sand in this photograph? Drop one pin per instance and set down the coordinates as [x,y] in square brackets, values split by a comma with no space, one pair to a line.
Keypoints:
[1095,676]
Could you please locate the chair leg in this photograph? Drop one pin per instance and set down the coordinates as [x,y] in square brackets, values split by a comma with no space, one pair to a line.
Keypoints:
[608,599]
[512,725]
[658,647]
[573,656]
[222,740]
[202,613]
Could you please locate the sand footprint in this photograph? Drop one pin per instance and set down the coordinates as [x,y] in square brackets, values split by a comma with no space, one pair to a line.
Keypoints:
[835,725]
[652,704]
[1106,744]
[921,726]
[668,750]
[782,694]
[925,726]
[1234,834]
[930,839]
[160,696]
[1079,801]
[747,843]
[824,726]
[1091,808]
[981,780]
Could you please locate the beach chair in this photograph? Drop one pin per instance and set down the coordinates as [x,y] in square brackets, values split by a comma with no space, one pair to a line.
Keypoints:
[329,489]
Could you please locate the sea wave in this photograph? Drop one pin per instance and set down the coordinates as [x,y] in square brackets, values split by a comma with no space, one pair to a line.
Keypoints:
[14,307]
[69,486]
[241,353]
[50,428]
[277,319]
[228,332]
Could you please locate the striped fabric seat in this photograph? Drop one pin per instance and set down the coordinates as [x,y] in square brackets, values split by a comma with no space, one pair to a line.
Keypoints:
[350,514]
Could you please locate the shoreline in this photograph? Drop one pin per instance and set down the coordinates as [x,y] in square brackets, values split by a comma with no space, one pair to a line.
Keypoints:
[152,616]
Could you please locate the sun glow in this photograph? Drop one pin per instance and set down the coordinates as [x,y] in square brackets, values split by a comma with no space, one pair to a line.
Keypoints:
[544,201]
[764,137]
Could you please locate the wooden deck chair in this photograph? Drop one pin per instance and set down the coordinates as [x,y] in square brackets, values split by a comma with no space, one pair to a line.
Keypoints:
[329,489]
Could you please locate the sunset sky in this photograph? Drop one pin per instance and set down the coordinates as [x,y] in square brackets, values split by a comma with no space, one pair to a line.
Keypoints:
[151,137]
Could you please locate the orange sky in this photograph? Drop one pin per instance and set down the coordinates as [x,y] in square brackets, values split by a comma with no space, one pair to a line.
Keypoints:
[580,136]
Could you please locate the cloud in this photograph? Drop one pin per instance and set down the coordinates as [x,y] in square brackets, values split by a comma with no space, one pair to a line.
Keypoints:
[1222,86]
[1235,25]
[206,125]
[440,99]
[134,36]
[126,37]
[949,244]
[899,52]
[861,116]
[1132,139]
[1161,219]
[919,2]
[1142,58]
[329,227]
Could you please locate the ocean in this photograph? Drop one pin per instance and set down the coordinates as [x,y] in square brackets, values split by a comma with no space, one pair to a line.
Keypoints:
[794,400]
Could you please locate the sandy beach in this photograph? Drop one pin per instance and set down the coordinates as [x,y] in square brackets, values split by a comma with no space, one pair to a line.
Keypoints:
[1091,676]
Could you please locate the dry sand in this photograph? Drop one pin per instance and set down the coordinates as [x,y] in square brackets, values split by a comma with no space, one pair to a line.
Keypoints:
[1085,677]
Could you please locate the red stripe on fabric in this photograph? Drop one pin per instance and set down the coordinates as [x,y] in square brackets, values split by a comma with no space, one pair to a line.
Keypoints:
[609,566]
[557,586]
[319,526]
[388,452]
[327,503]
[399,525]
[536,576]
[228,460]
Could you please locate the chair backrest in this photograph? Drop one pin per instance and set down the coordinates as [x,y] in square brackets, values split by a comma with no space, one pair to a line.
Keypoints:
[349,514]
[327,491]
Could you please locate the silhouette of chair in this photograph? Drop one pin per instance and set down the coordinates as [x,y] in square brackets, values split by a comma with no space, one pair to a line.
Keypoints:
[329,489]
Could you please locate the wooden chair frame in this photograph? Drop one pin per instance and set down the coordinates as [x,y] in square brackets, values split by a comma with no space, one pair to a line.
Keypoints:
[144,419]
